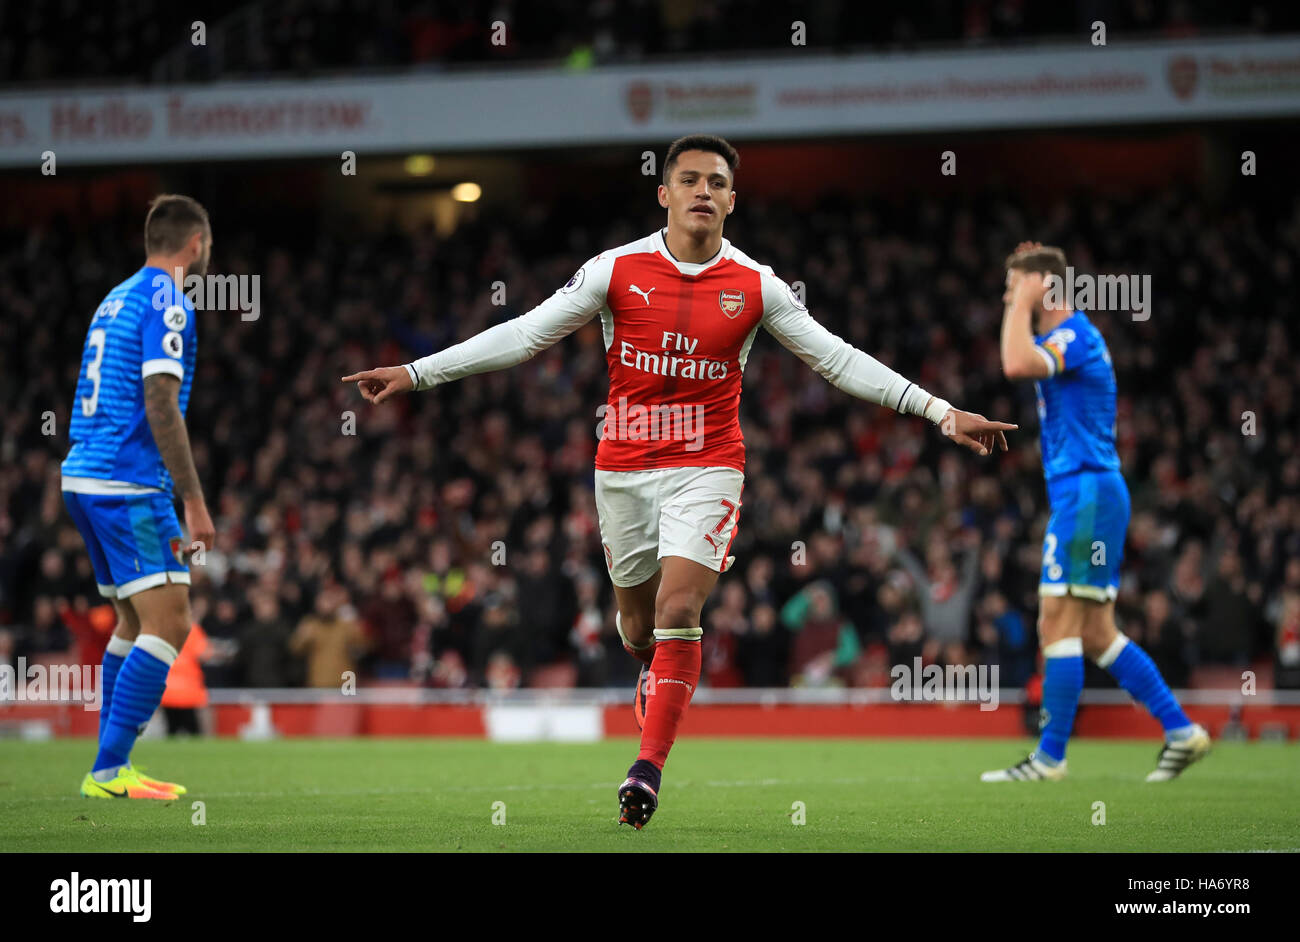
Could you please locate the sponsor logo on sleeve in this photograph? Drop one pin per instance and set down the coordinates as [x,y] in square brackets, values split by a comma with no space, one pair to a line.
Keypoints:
[794,297]
[175,317]
[576,281]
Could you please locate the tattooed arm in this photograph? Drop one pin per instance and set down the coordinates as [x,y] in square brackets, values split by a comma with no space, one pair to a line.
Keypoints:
[162,409]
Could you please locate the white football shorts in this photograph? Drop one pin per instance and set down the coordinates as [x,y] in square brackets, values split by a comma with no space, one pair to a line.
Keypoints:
[647,515]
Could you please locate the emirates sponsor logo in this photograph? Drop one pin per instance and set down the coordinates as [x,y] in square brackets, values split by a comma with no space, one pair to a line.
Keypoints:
[669,364]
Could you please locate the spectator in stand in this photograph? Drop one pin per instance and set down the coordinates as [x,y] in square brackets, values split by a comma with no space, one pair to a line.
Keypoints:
[44,635]
[1007,639]
[389,617]
[906,639]
[763,652]
[825,644]
[1287,664]
[501,672]
[499,635]
[264,658]
[830,482]
[139,42]
[591,636]
[1164,636]
[1227,635]
[946,596]
[727,623]
[331,640]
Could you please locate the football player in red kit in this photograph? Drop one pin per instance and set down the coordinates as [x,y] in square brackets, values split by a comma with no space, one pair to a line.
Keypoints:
[679,310]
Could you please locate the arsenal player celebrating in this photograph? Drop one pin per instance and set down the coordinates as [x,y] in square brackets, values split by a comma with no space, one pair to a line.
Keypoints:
[679,310]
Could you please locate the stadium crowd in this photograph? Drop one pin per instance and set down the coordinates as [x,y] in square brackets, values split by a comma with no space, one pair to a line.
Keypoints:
[450,538]
[149,40]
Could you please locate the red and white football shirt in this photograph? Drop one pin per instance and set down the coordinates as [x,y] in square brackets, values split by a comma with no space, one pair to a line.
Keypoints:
[677,335]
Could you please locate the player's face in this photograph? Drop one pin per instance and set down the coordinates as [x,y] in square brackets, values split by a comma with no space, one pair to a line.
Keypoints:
[698,196]
[200,264]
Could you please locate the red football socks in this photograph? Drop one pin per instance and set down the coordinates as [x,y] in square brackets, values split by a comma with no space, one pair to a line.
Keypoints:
[645,655]
[675,671]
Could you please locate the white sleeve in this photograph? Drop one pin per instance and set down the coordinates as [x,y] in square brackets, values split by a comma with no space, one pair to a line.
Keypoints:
[523,337]
[838,362]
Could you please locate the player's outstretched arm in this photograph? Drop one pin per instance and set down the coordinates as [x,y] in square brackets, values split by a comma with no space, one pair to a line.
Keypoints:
[861,375]
[975,432]
[498,347]
[379,384]
[163,412]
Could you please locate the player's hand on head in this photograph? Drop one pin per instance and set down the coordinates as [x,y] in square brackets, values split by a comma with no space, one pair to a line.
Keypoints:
[977,433]
[1030,288]
[379,384]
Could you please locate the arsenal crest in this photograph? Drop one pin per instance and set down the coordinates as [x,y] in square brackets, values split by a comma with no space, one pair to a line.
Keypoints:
[731,302]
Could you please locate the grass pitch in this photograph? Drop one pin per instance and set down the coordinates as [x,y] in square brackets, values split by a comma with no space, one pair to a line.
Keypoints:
[718,795]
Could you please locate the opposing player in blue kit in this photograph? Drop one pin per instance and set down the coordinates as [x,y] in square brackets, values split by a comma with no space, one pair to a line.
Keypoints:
[1084,543]
[129,449]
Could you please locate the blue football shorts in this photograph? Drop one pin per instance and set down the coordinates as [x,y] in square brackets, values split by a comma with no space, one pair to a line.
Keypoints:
[134,540]
[1084,543]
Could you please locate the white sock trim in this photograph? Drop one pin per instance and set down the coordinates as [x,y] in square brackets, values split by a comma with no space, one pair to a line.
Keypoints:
[1066,647]
[618,626]
[118,647]
[679,634]
[152,644]
[1107,657]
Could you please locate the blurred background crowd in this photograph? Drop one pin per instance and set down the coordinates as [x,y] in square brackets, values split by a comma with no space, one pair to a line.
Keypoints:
[449,539]
[154,41]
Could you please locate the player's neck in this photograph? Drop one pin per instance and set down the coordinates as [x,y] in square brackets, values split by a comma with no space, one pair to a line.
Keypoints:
[684,248]
[1053,318]
[172,265]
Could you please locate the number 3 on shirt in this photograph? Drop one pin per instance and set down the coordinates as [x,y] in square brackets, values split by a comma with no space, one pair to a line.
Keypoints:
[96,341]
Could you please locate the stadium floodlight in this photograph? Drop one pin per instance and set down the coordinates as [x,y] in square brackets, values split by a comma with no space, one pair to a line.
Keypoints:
[419,165]
[466,192]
